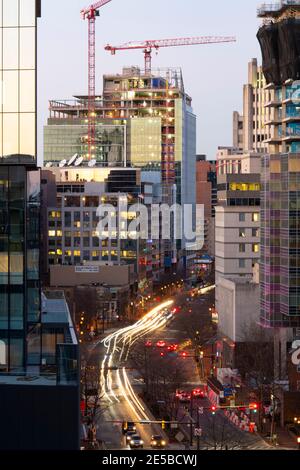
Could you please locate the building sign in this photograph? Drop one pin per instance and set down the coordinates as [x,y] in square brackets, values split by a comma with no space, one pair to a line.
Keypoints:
[296,353]
[86,269]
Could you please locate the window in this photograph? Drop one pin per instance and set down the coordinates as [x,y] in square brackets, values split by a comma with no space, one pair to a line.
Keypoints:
[242,217]
[242,233]
[255,217]
[255,248]
[255,232]
[51,233]
[242,263]
[242,248]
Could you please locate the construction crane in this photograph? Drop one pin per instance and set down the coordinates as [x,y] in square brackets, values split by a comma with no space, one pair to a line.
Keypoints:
[156,44]
[91,13]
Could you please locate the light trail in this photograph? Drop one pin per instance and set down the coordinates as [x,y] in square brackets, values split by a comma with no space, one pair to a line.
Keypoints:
[126,337]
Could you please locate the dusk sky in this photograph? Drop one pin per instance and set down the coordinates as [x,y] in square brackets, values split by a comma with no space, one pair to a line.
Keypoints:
[213,74]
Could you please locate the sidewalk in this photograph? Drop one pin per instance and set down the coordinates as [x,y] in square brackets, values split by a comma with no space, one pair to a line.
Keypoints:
[284,439]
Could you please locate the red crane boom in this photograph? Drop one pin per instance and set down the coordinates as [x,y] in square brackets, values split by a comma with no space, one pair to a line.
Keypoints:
[156,44]
[90,13]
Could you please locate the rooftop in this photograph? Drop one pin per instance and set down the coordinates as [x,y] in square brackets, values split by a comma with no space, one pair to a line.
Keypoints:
[277,9]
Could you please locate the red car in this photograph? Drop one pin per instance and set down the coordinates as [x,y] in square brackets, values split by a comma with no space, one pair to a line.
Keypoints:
[198,393]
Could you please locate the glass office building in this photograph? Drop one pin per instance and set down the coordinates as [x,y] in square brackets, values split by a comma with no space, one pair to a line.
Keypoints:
[19,188]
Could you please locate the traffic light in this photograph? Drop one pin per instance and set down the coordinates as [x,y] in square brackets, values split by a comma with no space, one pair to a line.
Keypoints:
[163,424]
[213,409]
[253,406]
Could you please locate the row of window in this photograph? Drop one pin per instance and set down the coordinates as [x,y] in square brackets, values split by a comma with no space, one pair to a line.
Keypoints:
[242,248]
[255,217]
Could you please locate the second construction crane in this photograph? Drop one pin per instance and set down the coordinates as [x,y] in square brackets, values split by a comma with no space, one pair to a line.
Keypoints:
[156,44]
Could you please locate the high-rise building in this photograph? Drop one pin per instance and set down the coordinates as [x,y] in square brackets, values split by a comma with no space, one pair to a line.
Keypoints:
[39,363]
[237,222]
[280,272]
[250,130]
[158,135]
[19,186]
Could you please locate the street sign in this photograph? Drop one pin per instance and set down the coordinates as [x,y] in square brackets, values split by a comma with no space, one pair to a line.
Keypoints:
[198,432]
[179,437]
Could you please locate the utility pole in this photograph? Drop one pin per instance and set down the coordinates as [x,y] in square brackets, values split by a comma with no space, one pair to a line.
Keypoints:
[198,426]
[192,422]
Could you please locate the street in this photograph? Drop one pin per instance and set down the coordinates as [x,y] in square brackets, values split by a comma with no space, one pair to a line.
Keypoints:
[123,385]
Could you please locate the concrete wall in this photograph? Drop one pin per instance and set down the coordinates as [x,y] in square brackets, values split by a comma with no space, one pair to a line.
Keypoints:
[237,303]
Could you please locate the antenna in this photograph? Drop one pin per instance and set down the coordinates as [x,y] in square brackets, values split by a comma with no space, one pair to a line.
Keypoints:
[92,163]
[62,163]
[79,161]
[72,160]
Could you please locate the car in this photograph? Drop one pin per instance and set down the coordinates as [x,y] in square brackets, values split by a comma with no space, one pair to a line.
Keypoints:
[128,426]
[161,344]
[148,344]
[172,347]
[129,435]
[198,393]
[183,396]
[157,442]
[136,442]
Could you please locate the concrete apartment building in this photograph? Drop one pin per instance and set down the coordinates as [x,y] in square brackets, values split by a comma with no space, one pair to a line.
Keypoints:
[237,251]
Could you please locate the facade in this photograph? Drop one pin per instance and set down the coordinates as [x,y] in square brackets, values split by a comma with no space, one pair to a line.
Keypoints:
[159,134]
[280,293]
[206,194]
[238,131]
[19,187]
[279,273]
[250,132]
[39,362]
[70,220]
[237,250]
[237,218]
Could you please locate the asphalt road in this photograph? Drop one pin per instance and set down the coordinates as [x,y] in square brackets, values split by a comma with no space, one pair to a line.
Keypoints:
[122,385]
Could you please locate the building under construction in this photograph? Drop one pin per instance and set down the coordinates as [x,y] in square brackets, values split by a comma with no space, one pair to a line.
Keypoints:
[142,120]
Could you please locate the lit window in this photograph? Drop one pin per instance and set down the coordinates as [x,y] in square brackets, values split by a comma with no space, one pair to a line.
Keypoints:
[51,233]
[242,233]
[59,252]
[255,217]
[77,252]
[255,247]
[59,233]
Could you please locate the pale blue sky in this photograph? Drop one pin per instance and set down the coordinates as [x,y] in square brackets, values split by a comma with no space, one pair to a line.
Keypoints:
[213,74]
